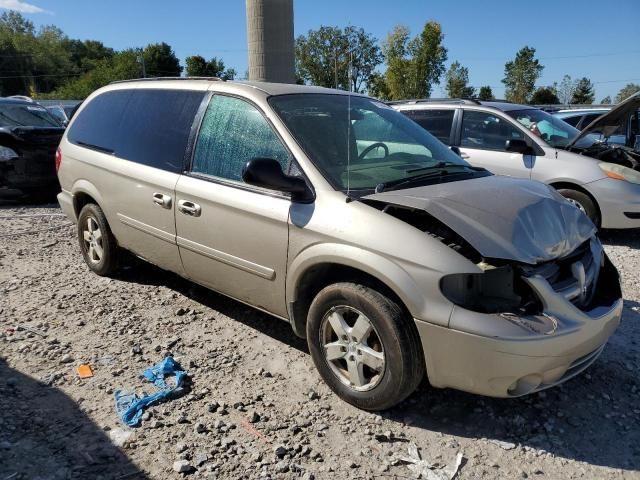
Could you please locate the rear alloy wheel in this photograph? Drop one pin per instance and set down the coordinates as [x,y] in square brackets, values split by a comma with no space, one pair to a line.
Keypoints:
[583,202]
[364,346]
[97,243]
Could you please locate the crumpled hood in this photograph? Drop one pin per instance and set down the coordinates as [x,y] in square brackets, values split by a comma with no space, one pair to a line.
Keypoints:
[609,122]
[501,217]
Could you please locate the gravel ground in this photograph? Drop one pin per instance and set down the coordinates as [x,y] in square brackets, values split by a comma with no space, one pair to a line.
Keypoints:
[256,407]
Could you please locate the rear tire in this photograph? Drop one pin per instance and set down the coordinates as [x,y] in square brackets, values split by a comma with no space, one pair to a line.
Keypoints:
[373,359]
[583,202]
[97,243]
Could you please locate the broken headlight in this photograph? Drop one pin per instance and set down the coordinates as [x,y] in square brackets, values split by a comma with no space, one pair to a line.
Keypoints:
[496,290]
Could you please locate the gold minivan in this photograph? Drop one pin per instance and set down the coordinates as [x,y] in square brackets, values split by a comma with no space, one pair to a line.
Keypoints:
[382,247]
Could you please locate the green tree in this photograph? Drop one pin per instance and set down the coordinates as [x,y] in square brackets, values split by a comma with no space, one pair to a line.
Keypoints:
[627,91]
[606,100]
[86,53]
[457,79]
[429,56]
[584,93]
[520,75]
[566,90]
[331,57]
[486,93]
[378,88]
[414,66]
[545,96]
[197,66]
[399,77]
[161,61]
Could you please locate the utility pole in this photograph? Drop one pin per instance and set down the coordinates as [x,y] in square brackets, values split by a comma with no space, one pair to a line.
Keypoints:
[270,40]
[140,60]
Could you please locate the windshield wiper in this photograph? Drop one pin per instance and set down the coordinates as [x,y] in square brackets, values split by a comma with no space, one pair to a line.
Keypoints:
[437,165]
[436,170]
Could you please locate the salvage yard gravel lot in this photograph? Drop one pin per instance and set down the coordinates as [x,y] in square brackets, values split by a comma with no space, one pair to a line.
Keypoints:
[255,406]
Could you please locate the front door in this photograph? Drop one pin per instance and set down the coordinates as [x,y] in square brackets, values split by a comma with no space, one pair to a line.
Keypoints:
[482,144]
[233,237]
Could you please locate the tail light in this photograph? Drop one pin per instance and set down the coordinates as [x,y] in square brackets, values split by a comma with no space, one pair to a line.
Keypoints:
[58,159]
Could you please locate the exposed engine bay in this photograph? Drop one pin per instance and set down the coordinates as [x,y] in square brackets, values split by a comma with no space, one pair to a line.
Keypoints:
[620,155]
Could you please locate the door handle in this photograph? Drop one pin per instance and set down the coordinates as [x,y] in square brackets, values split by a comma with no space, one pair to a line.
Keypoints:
[464,155]
[161,199]
[189,208]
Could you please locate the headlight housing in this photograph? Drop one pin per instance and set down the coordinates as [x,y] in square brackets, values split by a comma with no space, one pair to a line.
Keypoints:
[7,154]
[620,172]
[496,290]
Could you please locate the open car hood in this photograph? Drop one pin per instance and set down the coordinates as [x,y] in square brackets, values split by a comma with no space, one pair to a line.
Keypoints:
[501,217]
[609,122]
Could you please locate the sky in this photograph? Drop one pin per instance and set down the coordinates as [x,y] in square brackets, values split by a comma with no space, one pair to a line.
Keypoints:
[599,40]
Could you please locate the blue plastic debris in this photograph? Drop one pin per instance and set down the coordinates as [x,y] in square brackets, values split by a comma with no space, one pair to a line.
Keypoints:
[130,406]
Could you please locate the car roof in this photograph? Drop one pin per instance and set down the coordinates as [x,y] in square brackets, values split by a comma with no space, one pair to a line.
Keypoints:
[17,101]
[266,87]
[579,111]
[433,102]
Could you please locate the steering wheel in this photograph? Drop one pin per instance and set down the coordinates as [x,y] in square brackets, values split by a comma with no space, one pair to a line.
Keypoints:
[371,147]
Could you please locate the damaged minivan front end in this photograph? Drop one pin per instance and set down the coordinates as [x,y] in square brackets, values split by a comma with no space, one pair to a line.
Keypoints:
[542,301]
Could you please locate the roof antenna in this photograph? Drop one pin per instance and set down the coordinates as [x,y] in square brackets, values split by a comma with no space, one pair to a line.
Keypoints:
[349,125]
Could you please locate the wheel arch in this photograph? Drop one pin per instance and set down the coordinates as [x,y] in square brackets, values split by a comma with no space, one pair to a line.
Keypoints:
[312,271]
[83,193]
[563,184]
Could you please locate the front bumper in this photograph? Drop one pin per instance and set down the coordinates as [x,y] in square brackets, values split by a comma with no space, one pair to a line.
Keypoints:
[618,201]
[516,362]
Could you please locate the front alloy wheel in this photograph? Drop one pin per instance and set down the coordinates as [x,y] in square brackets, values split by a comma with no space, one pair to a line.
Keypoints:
[352,348]
[364,345]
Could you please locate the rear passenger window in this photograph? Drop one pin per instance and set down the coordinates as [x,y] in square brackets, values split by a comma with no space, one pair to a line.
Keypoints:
[146,126]
[437,122]
[98,125]
[232,133]
[486,131]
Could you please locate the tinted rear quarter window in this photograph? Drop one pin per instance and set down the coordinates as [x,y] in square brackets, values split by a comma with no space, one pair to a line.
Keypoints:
[146,126]
[436,122]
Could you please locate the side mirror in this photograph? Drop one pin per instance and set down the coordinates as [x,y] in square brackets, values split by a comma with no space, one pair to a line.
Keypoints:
[518,146]
[455,150]
[267,173]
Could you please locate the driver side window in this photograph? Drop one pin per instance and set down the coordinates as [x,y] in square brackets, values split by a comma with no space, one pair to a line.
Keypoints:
[486,131]
[232,133]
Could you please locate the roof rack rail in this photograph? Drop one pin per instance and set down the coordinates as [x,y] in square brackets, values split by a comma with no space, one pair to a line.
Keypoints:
[151,79]
[461,101]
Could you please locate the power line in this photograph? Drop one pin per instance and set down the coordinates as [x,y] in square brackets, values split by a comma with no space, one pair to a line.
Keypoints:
[40,76]
[561,57]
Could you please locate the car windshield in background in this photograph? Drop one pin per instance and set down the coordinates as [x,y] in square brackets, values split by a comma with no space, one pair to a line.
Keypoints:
[359,143]
[552,130]
[20,115]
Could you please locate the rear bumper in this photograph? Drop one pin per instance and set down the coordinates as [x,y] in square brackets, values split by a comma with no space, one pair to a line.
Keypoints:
[520,362]
[65,199]
[619,202]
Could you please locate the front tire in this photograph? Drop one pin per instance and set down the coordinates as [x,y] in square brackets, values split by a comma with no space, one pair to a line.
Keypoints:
[97,243]
[583,202]
[364,346]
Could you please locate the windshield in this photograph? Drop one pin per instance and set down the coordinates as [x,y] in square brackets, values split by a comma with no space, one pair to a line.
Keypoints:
[21,115]
[365,146]
[552,130]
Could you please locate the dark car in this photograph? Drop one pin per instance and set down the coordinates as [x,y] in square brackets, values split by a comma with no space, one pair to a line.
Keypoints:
[29,136]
